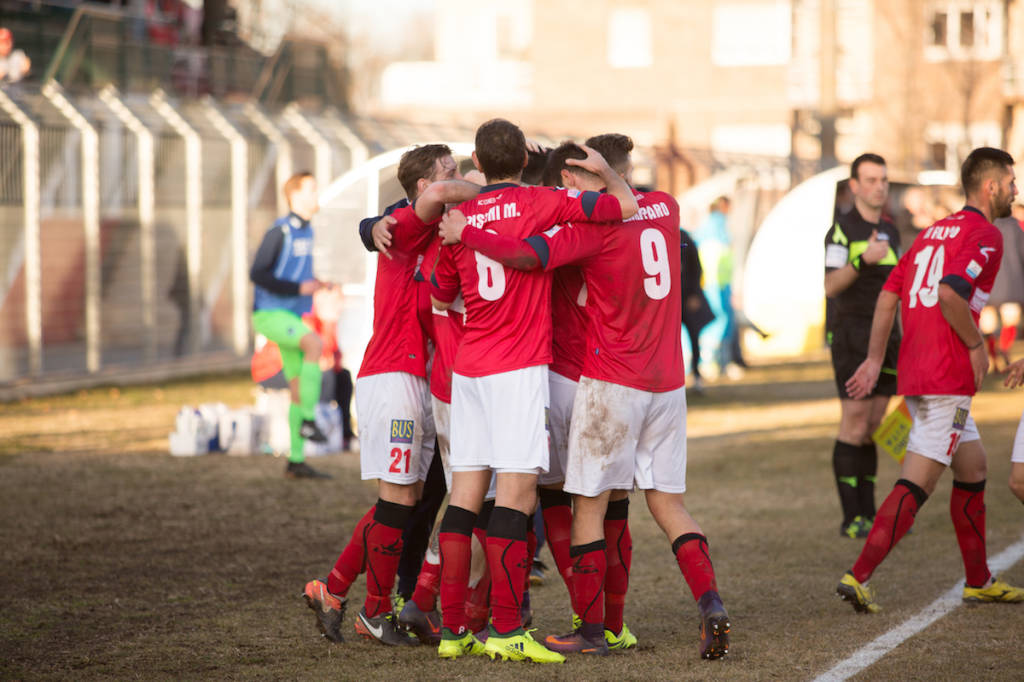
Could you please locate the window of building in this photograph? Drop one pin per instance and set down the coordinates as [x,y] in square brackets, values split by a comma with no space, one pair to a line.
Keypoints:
[629,38]
[751,34]
[962,29]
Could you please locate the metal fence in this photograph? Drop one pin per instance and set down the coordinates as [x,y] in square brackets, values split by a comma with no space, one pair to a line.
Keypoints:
[127,224]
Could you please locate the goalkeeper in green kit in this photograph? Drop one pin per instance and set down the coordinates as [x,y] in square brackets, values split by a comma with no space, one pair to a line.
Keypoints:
[282,273]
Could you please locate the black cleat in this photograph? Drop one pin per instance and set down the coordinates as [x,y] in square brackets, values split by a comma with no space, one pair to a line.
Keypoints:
[714,626]
[382,628]
[310,431]
[303,470]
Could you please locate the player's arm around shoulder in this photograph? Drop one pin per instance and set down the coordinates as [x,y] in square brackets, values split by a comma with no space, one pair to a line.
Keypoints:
[445,280]
[430,204]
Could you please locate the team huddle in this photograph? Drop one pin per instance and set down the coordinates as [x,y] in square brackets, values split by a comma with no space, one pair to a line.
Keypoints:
[532,331]
[557,373]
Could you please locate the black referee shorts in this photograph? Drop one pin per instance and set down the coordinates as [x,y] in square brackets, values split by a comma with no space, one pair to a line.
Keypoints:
[850,347]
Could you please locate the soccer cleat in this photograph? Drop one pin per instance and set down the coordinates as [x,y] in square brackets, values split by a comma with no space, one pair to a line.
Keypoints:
[861,597]
[425,625]
[537,572]
[303,470]
[452,646]
[856,528]
[575,642]
[329,609]
[519,645]
[623,640]
[865,527]
[998,591]
[382,628]
[714,626]
[310,431]
[397,603]
[577,622]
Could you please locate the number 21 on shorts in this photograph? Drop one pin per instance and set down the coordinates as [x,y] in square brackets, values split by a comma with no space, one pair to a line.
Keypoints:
[397,455]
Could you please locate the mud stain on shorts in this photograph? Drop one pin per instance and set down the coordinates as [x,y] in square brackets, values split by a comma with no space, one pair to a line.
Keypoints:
[603,430]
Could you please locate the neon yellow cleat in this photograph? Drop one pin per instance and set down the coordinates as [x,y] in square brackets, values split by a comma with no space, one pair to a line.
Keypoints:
[454,647]
[860,596]
[623,640]
[998,591]
[519,645]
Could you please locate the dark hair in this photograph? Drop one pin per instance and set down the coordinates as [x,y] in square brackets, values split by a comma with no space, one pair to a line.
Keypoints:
[556,162]
[292,184]
[500,149]
[978,164]
[615,149]
[536,162]
[419,163]
[864,158]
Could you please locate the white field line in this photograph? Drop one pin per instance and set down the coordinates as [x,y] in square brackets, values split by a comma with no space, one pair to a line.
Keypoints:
[886,642]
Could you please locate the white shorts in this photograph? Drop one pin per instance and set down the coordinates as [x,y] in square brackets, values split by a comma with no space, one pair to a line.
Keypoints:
[620,436]
[1018,444]
[394,420]
[442,425]
[500,421]
[941,423]
[562,391]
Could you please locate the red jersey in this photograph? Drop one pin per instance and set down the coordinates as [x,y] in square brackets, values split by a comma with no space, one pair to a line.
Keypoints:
[962,250]
[569,321]
[445,329]
[508,312]
[634,300]
[398,343]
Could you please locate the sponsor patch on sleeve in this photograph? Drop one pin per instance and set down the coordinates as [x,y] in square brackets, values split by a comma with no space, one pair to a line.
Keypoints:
[836,255]
[401,430]
[978,300]
[973,269]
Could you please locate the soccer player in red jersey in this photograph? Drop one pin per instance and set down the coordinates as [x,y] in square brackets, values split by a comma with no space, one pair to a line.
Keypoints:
[392,399]
[499,385]
[629,416]
[940,285]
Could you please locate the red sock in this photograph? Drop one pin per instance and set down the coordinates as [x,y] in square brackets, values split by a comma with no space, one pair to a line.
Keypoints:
[1007,337]
[428,583]
[507,561]
[556,507]
[456,542]
[619,555]
[383,551]
[894,519]
[691,550]
[589,568]
[478,603]
[531,550]
[351,561]
[967,507]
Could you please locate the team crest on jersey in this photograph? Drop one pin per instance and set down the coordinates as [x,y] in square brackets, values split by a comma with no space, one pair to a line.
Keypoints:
[973,269]
[401,430]
[960,419]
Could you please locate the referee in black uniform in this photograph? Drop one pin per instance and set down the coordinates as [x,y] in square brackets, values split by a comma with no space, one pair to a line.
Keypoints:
[861,249]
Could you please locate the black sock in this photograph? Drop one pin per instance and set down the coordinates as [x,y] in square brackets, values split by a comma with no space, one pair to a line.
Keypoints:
[867,468]
[845,466]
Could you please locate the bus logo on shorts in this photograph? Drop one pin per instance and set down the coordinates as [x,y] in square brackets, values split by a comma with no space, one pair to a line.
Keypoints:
[960,419]
[401,430]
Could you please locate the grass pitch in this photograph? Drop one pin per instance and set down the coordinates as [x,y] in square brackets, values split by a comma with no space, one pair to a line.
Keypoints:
[121,561]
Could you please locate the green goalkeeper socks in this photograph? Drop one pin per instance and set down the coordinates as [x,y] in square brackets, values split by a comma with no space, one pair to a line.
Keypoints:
[297,453]
[309,389]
